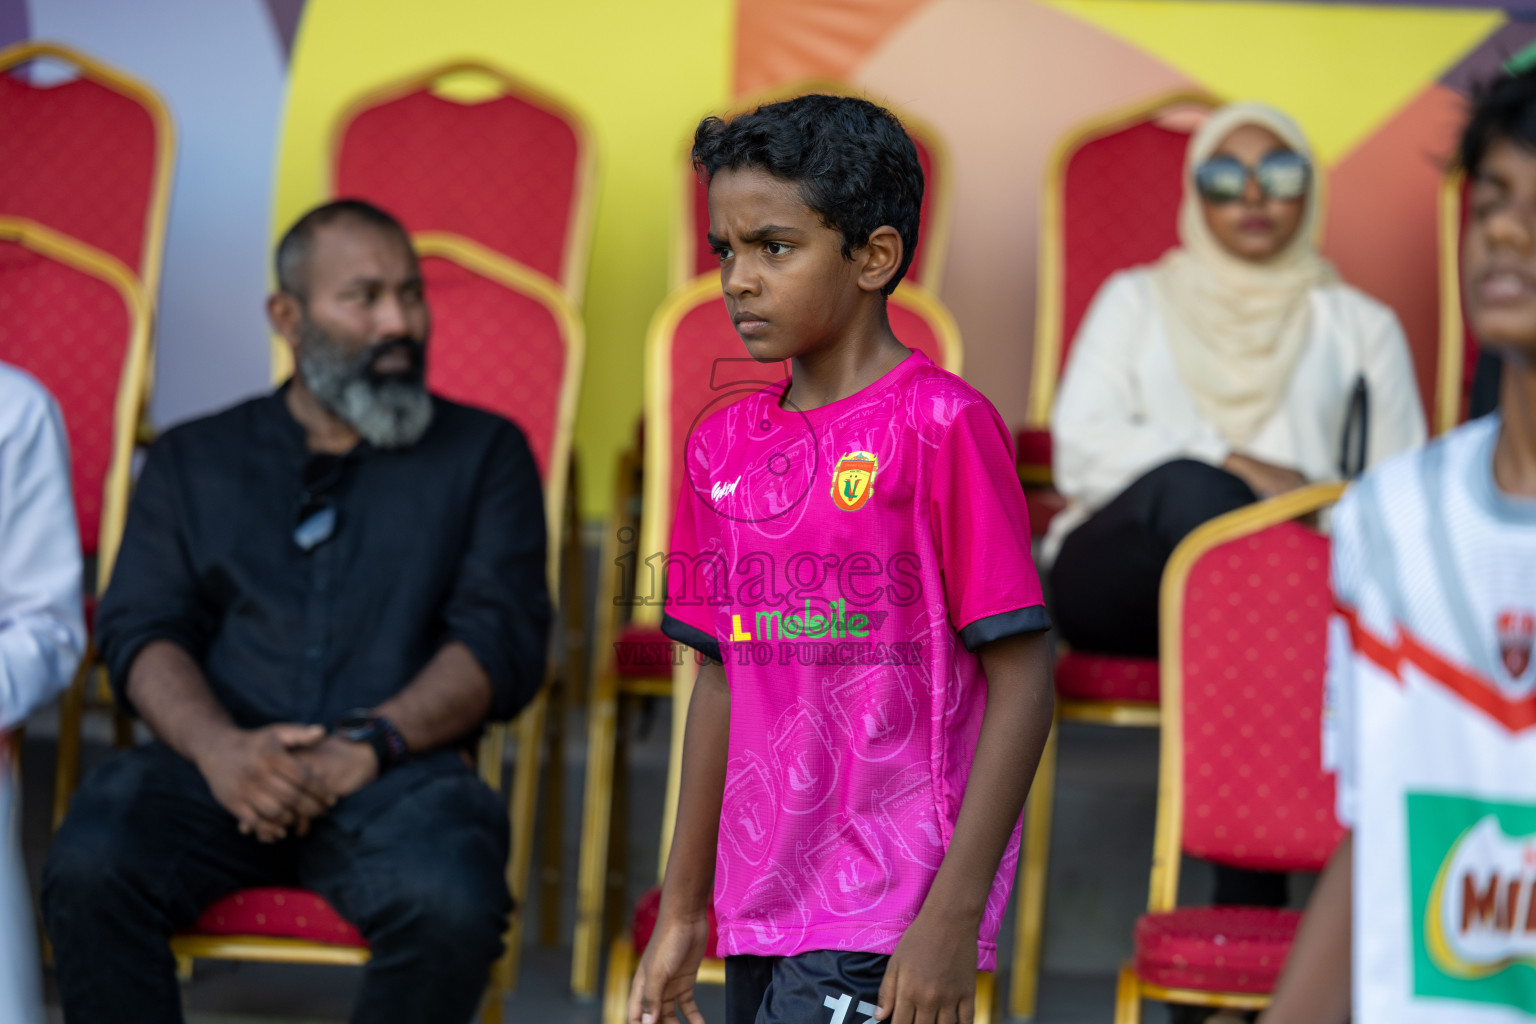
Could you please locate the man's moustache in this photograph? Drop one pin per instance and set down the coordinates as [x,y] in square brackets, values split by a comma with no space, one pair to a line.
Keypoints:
[414,350]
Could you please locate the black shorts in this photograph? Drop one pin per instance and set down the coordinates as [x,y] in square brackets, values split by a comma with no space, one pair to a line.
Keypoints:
[820,987]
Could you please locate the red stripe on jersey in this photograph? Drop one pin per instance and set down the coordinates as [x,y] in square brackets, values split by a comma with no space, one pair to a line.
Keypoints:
[1471,686]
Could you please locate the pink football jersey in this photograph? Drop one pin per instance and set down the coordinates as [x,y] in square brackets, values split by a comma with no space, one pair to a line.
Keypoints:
[844,563]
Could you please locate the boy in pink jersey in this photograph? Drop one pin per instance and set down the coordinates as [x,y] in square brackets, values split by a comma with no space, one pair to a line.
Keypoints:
[855,568]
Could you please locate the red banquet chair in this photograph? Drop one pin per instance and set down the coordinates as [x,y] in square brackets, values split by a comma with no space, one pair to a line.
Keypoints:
[469,150]
[692,256]
[695,363]
[1110,202]
[1458,347]
[1245,604]
[509,340]
[88,162]
[89,158]
[77,319]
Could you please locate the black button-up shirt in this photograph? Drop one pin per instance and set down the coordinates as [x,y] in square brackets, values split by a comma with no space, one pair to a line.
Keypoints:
[440,541]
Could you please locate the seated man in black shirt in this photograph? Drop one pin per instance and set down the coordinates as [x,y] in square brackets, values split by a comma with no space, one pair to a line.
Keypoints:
[321,597]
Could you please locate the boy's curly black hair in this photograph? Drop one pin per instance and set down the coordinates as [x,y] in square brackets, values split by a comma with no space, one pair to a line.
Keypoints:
[1504,108]
[851,159]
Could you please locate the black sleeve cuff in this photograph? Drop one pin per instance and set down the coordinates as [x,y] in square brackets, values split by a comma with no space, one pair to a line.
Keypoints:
[1033,619]
[516,676]
[691,636]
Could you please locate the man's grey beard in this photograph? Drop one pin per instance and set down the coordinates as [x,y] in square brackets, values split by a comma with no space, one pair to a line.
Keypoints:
[388,412]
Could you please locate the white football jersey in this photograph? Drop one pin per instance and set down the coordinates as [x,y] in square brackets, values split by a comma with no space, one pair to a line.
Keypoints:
[1431,728]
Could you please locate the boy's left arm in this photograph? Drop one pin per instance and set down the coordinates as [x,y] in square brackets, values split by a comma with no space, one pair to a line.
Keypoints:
[931,978]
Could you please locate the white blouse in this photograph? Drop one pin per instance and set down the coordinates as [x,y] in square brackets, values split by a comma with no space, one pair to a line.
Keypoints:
[1122,409]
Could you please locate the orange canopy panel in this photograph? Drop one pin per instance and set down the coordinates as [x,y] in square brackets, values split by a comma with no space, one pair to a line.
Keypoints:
[512,173]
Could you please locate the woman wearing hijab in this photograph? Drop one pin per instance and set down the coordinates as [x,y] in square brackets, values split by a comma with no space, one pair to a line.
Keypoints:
[1236,368]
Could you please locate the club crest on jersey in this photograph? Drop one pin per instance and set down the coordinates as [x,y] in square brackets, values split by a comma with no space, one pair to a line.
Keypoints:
[1517,630]
[853,479]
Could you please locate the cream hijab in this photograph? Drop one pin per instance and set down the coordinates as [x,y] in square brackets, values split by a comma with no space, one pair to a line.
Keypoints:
[1237,328]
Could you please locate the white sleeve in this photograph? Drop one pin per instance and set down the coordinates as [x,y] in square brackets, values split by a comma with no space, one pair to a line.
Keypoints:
[42,631]
[1101,440]
[1339,722]
[20,1000]
[1397,411]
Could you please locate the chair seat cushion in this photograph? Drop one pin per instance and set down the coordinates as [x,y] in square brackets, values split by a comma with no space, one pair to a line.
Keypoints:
[1106,677]
[1043,503]
[1033,448]
[646,910]
[644,651]
[1215,949]
[278,913]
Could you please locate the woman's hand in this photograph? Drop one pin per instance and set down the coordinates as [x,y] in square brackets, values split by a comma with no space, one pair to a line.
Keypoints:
[668,970]
[931,978]
[1266,478]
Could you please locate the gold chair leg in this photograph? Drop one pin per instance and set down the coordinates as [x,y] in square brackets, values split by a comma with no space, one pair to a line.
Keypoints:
[66,774]
[1029,922]
[1128,997]
[183,969]
[525,805]
[616,905]
[621,975]
[597,808]
[491,1008]
[986,998]
[553,800]
[493,743]
[683,677]
[573,592]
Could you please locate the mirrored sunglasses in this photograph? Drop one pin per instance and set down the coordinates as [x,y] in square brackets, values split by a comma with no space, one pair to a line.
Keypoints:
[1280,175]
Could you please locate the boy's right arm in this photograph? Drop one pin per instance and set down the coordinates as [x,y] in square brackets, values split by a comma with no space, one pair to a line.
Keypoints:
[1314,987]
[665,979]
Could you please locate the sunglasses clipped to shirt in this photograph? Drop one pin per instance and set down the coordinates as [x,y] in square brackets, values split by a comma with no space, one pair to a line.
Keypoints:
[317,505]
[1280,175]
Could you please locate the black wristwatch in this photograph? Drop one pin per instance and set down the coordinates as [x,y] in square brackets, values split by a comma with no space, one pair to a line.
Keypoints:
[363,726]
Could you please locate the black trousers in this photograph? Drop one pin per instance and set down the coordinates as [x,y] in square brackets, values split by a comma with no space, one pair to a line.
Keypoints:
[1106,576]
[146,848]
[1105,584]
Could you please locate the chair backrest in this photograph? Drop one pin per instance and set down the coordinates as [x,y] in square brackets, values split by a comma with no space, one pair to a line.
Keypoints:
[691,253]
[508,340]
[1244,619]
[467,149]
[77,320]
[89,158]
[696,365]
[1458,346]
[1110,202]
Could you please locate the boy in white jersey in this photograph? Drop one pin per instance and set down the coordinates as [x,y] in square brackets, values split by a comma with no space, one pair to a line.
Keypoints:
[876,696]
[1431,723]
